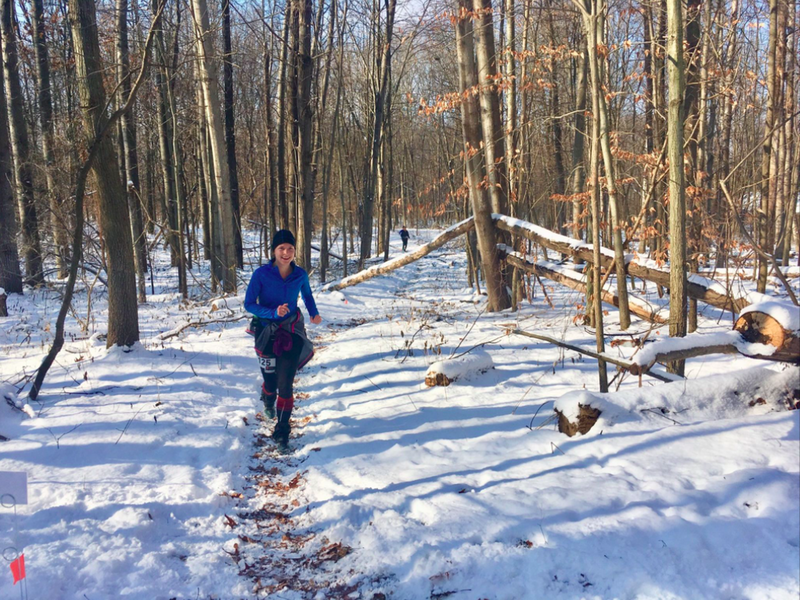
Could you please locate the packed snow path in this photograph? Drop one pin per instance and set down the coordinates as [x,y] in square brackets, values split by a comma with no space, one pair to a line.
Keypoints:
[152,478]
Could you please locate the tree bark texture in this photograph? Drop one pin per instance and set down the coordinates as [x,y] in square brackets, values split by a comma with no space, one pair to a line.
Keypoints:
[123,319]
[677,186]
[486,232]
[20,149]
[10,276]
[208,73]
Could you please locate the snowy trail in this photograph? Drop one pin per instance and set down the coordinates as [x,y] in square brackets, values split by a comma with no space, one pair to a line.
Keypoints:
[150,476]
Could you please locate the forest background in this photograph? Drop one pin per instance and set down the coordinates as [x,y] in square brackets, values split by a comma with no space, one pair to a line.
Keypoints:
[656,127]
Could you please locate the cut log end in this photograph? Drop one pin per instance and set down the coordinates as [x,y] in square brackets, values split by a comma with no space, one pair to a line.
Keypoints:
[434,379]
[587,417]
[761,328]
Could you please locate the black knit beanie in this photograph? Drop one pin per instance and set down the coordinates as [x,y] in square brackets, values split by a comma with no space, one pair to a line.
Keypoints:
[284,236]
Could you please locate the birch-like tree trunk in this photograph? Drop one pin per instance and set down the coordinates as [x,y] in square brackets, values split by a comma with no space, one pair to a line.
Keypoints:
[208,76]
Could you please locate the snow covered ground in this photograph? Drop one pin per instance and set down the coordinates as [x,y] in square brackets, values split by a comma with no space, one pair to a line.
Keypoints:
[151,477]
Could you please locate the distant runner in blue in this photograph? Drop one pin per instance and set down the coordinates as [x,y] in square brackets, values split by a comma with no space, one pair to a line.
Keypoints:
[281,343]
[404,236]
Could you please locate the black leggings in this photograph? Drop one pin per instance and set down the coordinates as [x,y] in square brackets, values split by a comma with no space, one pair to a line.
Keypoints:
[282,379]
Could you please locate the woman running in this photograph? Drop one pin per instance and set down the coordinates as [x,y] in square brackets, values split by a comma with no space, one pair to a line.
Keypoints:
[281,342]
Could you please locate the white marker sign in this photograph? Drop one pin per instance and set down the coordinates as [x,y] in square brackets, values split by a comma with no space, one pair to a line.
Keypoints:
[14,484]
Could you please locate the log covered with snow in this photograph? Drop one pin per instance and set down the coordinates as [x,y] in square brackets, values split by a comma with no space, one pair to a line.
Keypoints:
[775,324]
[740,393]
[700,288]
[390,265]
[577,281]
[767,330]
[445,372]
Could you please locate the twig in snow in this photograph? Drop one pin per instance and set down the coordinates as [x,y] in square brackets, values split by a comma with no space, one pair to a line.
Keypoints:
[128,424]
[492,341]
[468,331]
[57,439]
[171,334]
[536,413]
[660,414]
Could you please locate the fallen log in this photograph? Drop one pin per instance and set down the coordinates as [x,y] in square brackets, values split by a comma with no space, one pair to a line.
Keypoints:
[390,265]
[691,346]
[767,330]
[596,355]
[757,327]
[700,288]
[576,281]
[334,255]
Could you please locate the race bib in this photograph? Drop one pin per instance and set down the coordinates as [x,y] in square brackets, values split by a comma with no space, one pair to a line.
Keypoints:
[268,364]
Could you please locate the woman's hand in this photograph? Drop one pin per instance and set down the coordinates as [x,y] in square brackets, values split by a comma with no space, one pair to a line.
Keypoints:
[316,320]
[283,310]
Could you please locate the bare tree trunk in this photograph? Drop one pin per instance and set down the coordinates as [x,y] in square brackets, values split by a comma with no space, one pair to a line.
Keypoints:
[677,189]
[767,149]
[594,185]
[131,159]
[10,276]
[470,123]
[284,73]
[208,71]
[123,319]
[230,130]
[20,149]
[45,105]
[490,105]
[578,180]
[270,195]
[595,27]
[168,204]
[379,105]
[305,74]
[691,132]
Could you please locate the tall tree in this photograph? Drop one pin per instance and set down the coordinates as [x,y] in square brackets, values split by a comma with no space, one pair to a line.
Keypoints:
[676,69]
[208,79]
[304,70]
[10,276]
[472,141]
[230,129]
[494,145]
[45,105]
[130,155]
[123,319]
[20,149]
[379,94]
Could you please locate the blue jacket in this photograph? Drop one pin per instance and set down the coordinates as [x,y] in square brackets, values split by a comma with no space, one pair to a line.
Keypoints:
[268,290]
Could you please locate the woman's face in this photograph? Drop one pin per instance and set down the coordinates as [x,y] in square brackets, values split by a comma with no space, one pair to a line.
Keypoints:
[284,254]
